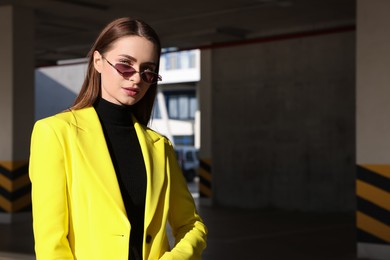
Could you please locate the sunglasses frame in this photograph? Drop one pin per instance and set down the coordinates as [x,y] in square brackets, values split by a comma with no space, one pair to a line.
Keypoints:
[142,74]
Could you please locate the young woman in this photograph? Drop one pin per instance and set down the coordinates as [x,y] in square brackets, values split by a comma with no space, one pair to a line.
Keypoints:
[104,186]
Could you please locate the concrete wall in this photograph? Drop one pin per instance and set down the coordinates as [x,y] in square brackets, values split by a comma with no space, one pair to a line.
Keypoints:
[373,79]
[16,82]
[283,124]
[56,88]
[7,81]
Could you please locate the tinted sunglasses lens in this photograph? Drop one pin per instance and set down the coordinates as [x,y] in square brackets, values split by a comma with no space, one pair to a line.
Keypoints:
[126,70]
[149,77]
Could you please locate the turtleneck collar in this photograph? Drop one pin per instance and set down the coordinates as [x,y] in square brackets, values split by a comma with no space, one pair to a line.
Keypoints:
[113,114]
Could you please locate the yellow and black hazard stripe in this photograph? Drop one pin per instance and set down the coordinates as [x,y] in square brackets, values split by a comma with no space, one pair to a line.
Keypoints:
[15,187]
[205,178]
[373,204]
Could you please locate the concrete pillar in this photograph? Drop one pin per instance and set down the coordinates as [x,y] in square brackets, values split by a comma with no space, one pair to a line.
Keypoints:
[205,104]
[16,109]
[373,129]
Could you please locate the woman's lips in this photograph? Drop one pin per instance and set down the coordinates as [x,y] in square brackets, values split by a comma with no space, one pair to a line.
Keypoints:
[131,91]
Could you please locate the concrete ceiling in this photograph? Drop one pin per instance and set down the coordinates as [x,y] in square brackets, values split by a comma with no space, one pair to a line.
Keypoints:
[66,29]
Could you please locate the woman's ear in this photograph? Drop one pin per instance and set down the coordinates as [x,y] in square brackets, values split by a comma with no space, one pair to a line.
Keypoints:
[97,61]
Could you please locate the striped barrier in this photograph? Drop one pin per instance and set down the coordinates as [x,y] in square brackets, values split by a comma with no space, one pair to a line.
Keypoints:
[15,187]
[373,209]
[205,178]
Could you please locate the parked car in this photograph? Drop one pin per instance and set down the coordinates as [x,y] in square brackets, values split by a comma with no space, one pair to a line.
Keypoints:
[187,157]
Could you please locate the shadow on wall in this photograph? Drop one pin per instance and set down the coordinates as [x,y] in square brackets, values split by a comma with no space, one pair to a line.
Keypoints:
[51,97]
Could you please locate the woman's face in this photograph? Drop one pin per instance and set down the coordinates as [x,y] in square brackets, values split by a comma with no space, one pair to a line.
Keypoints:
[135,51]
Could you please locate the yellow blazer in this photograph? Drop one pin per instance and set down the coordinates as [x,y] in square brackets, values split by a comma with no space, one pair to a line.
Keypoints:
[78,211]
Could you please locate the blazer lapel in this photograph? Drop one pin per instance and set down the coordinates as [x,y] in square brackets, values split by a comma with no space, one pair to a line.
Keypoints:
[94,153]
[153,150]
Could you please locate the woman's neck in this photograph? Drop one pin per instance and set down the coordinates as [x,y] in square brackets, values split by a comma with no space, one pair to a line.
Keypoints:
[111,113]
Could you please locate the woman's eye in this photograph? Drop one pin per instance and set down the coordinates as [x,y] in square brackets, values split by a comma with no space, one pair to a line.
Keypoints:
[127,62]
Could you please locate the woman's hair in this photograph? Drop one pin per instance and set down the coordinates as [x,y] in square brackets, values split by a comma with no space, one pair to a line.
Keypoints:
[115,30]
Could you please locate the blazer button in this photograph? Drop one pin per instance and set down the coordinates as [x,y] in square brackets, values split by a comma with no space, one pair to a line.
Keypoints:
[148,239]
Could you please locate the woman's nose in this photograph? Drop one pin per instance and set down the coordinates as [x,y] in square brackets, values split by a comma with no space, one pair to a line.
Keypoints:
[136,77]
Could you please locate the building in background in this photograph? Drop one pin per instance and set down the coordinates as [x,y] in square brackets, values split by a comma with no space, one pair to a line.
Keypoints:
[176,112]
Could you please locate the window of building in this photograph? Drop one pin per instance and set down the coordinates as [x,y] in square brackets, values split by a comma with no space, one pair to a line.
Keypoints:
[180,60]
[181,105]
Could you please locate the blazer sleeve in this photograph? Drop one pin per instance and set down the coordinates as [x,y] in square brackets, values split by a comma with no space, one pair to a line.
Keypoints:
[47,172]
[187,226]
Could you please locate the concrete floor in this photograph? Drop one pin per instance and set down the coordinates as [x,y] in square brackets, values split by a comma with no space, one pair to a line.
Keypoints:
[240,234]
[279,235]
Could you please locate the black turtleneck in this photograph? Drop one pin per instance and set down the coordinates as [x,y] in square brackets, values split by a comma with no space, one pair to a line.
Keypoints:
[126,156]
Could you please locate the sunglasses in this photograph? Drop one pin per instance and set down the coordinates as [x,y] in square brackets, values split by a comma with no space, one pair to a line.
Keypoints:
[127,71]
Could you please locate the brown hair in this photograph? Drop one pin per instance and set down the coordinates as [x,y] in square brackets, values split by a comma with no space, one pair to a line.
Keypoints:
[115,30]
